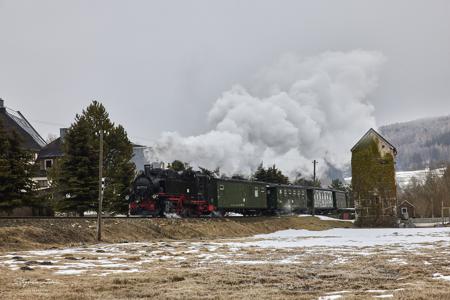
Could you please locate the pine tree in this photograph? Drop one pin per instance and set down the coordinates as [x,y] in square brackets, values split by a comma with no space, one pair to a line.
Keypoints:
[337,184]
[78,174]
[119,170]
[300,180]
[177,165]
[260,174]
[16,188]
[271,175]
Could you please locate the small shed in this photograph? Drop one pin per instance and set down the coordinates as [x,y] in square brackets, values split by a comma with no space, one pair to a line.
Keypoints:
[406,210]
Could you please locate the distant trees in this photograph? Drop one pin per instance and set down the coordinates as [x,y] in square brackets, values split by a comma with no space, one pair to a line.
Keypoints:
[337,184]
[271,174]
[178,165]
[428,196]
[16,186]
[300,180]
[76,179]
[423,143]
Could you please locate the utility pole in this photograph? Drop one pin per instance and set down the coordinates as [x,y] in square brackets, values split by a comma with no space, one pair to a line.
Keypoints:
[100,189]
[432,207]
[314,176]
[314,182]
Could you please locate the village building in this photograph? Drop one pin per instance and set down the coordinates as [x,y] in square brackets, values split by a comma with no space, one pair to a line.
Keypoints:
[48,157]
[373,181]
[406,210]
[15,121]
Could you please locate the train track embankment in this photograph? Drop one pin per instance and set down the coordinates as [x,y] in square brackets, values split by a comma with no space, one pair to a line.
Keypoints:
[23,234]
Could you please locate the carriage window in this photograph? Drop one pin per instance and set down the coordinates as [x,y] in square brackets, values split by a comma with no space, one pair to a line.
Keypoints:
[221,187]
[256,192]
[281,192]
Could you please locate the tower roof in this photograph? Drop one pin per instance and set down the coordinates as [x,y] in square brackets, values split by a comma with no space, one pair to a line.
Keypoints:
[373,131]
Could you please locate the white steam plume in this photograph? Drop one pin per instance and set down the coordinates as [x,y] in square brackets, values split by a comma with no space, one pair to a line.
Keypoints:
[298,110]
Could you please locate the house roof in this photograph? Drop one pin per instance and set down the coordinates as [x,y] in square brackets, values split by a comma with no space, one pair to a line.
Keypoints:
[371,130]
[406,202]
[15,121]
[52,150]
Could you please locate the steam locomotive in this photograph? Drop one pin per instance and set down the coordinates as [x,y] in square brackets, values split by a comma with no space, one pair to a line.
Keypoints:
[158,192]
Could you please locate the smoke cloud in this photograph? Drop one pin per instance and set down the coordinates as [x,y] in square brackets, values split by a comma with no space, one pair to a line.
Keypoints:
[296,110]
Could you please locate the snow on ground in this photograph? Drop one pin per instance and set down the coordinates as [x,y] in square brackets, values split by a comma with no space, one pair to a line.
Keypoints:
[349,237]
[325,218]
[288,247]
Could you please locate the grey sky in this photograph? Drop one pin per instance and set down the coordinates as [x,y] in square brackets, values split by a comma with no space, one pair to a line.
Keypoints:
[160,65]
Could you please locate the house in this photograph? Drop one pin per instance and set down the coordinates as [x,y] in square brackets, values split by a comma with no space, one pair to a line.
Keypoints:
[15,121]
[373,181]
[48,157]
[406,210]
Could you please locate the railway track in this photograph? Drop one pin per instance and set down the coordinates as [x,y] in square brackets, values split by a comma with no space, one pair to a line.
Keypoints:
[129,218]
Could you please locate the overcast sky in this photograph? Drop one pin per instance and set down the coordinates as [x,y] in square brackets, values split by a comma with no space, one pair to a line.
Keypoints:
[160,65]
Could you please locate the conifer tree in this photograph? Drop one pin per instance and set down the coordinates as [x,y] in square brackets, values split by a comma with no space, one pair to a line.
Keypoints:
[337,184]
[119,170]
[78,174]
[16,186]
[78,170]
[271,175]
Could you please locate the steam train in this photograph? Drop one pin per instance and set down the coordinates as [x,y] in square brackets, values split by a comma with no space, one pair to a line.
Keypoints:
[158,192]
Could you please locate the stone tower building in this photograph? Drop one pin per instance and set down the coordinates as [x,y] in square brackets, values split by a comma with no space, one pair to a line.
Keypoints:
[373,181]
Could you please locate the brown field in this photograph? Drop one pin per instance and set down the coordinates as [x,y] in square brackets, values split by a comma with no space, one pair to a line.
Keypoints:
[43,233]
[213,268]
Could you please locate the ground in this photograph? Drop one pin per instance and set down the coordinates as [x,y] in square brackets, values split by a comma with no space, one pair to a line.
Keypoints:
[345,263]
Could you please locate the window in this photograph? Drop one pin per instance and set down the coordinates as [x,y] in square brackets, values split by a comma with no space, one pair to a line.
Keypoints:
[256,192]
[404,210]
[42,183]
[48,163]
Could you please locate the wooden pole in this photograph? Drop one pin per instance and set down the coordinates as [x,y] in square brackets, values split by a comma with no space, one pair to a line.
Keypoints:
[100,189]
[313,192]
[314,176]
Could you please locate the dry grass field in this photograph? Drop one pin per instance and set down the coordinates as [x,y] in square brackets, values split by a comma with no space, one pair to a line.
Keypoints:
[331,264]
[23,234]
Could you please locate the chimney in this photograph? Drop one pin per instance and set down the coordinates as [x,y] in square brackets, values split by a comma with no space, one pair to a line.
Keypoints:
[2,103]
[62,133]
